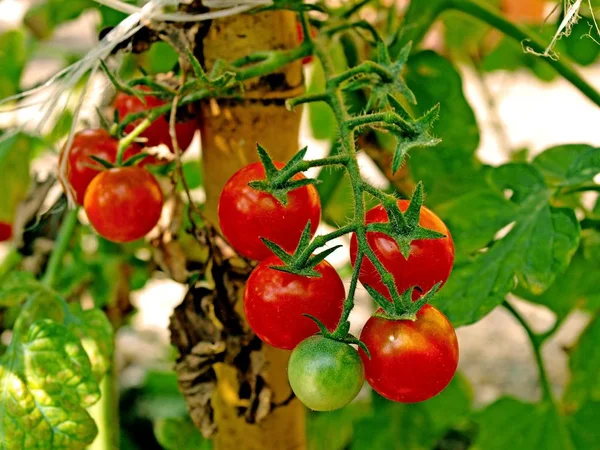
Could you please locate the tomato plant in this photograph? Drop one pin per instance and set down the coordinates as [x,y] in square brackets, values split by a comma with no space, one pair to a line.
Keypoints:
[390,119]
[80,167]
[325,374]
[123,204]
[275,302]
[410,361]
[430,260]
[157,132]
[247,214]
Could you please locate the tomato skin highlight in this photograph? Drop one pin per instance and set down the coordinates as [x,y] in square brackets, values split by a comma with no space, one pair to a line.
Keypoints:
[123,204]
[80,168]
[5,231]
[274,302]
[410,361]
[430,260]
[325,374]
[158,131]
[246,214]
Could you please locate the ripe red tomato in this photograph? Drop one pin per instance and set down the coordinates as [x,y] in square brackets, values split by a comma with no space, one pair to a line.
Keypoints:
[274,302]
[123,204]
[158,132]
[246,214]
[300,34]
[5,231]
[410,361]
[430,260]
[81,169]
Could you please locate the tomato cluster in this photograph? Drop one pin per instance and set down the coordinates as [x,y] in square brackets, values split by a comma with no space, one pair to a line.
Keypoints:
[409,361]
[122,203]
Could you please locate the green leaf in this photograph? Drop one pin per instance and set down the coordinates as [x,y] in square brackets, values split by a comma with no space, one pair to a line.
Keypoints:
[334,430]
[568,165]
[539,246]
[450,168]
[584,385]
[161,58]
[584,426]
[42,18]
[574,288]
[46,382]
[322,121]
[579,44]
[95,332]
[179,433]
[15,287]
[510,423]
[416,426]
[15,154]
[475,217]
[13,56]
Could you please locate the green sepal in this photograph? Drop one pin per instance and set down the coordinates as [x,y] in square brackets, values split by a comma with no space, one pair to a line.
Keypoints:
[274,183]
[316,259]
[284,256]
[118,85]
[196,66]
[134,159]
[381,301]
[426,298]
[340,335]
[106,164]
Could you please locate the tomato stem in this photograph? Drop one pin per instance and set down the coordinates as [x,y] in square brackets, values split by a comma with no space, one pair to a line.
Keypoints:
[536,343]
[60,247]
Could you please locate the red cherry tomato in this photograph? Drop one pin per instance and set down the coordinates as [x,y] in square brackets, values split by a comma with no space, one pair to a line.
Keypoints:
[430,260]
[300,34]
[5,231]
[81,169]
[158,132]
[274,302]
[410,361]
[246,214]
[123,204]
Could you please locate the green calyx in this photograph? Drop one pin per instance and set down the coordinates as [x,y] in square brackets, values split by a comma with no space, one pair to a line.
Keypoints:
[402,307]
[404,227]
[279,182]
[341,333]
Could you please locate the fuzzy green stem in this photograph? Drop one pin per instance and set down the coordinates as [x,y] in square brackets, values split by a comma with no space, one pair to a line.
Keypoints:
[382,118]
[105,414]
[367,67]
[287,173]
[321,240]
[269,62]
[349,302]
[536,343]
[60,247]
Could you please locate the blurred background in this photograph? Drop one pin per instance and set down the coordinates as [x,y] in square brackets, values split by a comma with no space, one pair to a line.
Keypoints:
[521,108]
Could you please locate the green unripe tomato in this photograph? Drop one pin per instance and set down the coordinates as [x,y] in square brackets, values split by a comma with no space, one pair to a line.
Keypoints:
[325,374]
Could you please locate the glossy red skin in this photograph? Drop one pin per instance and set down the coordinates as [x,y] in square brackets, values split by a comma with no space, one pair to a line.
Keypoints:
[246,214]
[158,131]
[410,361]
[300,34]
[274,302]
[81,169]
[5,231]
[123,204]
[430,260]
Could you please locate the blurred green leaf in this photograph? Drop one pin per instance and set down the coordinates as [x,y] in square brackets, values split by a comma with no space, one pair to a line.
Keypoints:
[15,287]
[450,168]
[510,423]
[179,433]
[474,289]
[334,430]
[13,57]
[584,363]
[192,171]
[15,154]
[568,165]
[396,426]
[42,18]
[575,288]
[161,58]
[579,45]
[584,427]
[321,118]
